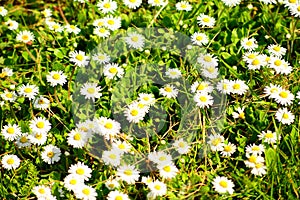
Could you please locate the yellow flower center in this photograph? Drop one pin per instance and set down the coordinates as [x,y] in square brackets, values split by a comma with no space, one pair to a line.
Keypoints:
[132,1]
[207,58]
[102,30]
[77,136]
[225,86]
[276,48]
[168,89]
[91,90]
[72,27]
[108,125]
[203,99]
[255,62]
[249,43]
[112,156]
[73,181]
[298,8]
[23,139]
[285,116]
[10,130]
[227,148]
[134,38]
[56,26]
[223,184]
[50,154]
[255,148]
[162,158]
[157,187]
[38,136]
[167,168]
[40,125]
[199,38]
[134,112]
[28,90]
[242,115]
[118,198]
[268,58]
[56,76]
[146,98]
[183,6]
[292,1]
[283,94]
[107,5]
[113,70]
[42,191]
[277,63]
[216,141]
[258,165]
[111,22]
[181,144]
[111,185]
[25,37]
[10,161]
[9,95]
[201,86]
[79,57]
[80,171]
[86,191]
[251,56]
[252,159]
[274,90]
[236,86]
[210,69]
[100,23]
[269,135]
[128,172]
[206,19]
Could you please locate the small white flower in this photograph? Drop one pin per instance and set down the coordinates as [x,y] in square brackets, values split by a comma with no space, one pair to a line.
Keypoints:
[252,159]
[41,103]
[231,3]
[239,113]
[115,195]
[72,29]
[107,6]
[169,91]
[216,142]
[79,58]
[167,170]
[173,73]
[112,23]
[47,12]
[51,154]
[207,60]
[228,149]
[135,40]
[40,125]
[3,11]
[133,4]
[81,170]
[181,146]
[238,87]
[12,24]
[112,70]
[77,138]
[224,86]
[199,38]
[29,91]
[259,169]
[56,78]
[269,137]
[41,191]
[101,58]
[223,185]
[276,50]
[160,157]
[205,20]
[284,97]
[101,32]
[128,173]
[284,116]
[255,149]
[203,100]
[249,44]
[157,2]
[23,140]
[111,157]
[85,192]
[9,96]
[72,181]
[90,91]
[10,161]
[157,188]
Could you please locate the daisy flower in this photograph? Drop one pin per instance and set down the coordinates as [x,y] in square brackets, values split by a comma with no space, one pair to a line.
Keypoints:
[81,170]
[257,62]
[157,2]
[203,99]
[160,157]
[40,125]
[38,138]
[9,96]
[169,91]
[101,32]
[216,142]
[238,87]
[134,113]
[99,22]
[181,146]
[112,183]
[23,140]
[147,180]
[239,113]
[269,137]
[228,149]
[259,169]
[249,44]
[112,23]
[29,91]
[223,185]
[6,72]
[157,188]
[10,161]
[276,50]
[255,149]
[47,12]
[90,91]
[148,99]
[298,96]
[205,20]
[77,138]
[128,173]
[12,24]
[199,38]
[279,65]
[79,58]
[295,10]
[3,11]
[101,58]
[133,4]
[183,5]
[85,192]
[73,181]
[272,91]
[284,116]
[108,127]
[41,191]
[56,78]
[210,72]
[167,170]
[231,3]
[54,26]
[41,103]
[201,87]
[112,70]
[11,132]
[113,195]
[135,40]
[249,56]
[284,97]
[51,154]
[207,60]
[121,147]
[224,86]
[107,6]
[252,159]
[111,157]
[72,29]
[173,73]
